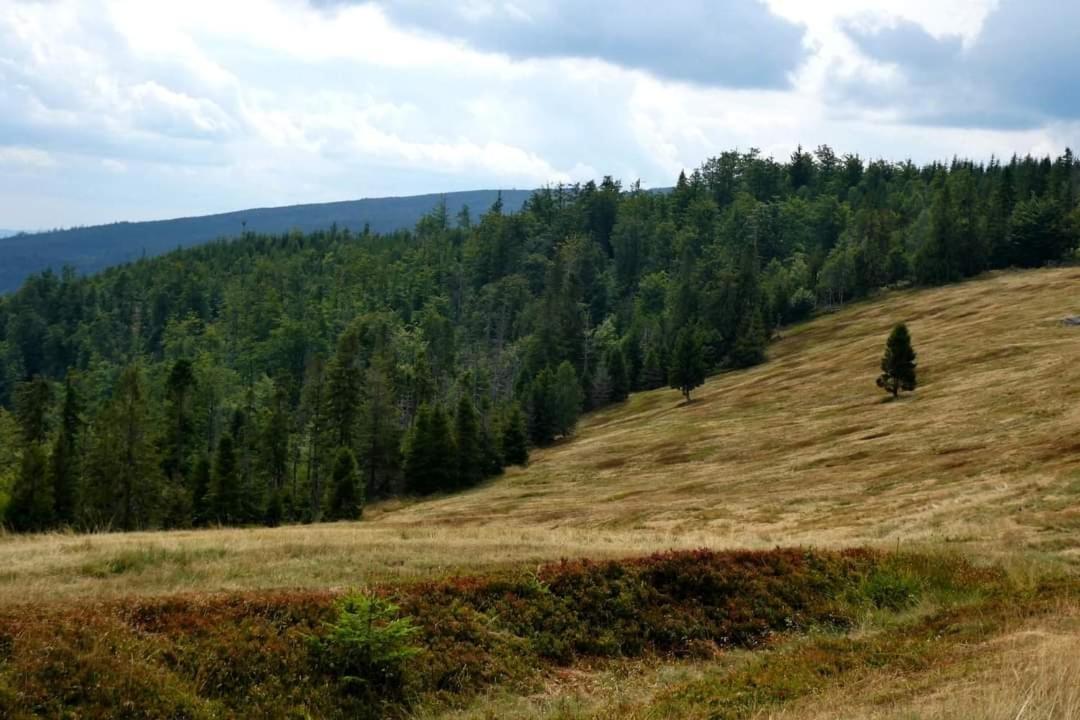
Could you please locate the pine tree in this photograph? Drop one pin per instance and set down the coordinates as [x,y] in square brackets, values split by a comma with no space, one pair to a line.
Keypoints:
[343,386]
[898,363]
[515,443]
[687,363]
[568,398]
[180,428]
[347,498]
[468,443]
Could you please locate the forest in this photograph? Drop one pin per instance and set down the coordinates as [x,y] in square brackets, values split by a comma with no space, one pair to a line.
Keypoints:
[293,377]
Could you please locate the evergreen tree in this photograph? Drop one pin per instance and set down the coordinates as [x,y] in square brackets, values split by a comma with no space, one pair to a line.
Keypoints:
[64,463]
[620,381]
[750,340]
[180,428]
[123,470]
[31,506]
[898,363]
[652,374]
[543,411]
[224,501]
[468,443]
[515,443]
[201,479]
[429,453]
[568,399]
[380,431]
[347,499]
[687,363]
[343,387]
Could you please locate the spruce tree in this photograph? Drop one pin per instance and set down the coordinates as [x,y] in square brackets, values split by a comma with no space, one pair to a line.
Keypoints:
[224,500]
[750,340]
[123,469]
[32,505]
[515,442]
[543,418]
[64,465]
[652,374]
[201,478]
[568,398]
[687,363]
[898,363]
[429,452]
[468,443]
[347,498]
[620,381]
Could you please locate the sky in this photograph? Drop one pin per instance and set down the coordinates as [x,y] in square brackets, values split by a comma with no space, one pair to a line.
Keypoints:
[138,109]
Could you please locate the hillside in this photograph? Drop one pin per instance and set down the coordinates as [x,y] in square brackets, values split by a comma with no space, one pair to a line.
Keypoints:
[806,450]
[93,248]
[801,450]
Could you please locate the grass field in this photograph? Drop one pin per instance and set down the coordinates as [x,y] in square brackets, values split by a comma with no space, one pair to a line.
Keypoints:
[983,460]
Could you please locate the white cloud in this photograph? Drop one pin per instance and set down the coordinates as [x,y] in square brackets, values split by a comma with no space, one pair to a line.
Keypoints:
[130,109]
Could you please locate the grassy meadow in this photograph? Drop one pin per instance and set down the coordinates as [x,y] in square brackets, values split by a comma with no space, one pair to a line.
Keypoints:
[981,462]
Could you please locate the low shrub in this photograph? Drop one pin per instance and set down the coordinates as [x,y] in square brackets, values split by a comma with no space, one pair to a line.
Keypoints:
[317,654]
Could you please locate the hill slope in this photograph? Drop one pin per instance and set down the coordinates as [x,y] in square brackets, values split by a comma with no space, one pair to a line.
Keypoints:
[805,449]
[90,249]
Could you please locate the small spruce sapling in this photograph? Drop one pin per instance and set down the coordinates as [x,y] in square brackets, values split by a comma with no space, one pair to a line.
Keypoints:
[898,363]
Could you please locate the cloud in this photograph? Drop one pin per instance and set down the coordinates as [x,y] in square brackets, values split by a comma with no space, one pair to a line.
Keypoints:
[724,43]
[1021,70]
[124,109]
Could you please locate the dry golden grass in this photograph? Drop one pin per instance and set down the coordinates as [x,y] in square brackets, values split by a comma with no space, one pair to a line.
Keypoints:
[806,450]
[802,450]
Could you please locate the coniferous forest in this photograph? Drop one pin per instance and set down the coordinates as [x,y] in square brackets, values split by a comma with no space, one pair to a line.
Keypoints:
[291,378]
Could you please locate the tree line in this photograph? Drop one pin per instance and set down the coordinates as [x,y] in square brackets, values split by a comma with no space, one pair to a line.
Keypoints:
[281,378]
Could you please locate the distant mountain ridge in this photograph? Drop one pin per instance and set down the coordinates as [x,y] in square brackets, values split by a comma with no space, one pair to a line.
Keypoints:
[89,249]
[4,232]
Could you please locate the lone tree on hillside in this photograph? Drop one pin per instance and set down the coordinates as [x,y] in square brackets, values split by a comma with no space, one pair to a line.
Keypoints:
[687,363]
[898,364]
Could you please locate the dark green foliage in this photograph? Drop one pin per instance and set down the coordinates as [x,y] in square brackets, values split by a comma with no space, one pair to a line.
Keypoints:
[347,491]
[687,363]
[201,479]
[223,501]
[750,340]
[652,373]
[543,408]
[123,471]
[619,377]
[32,506]
[568,399]
[297,344]
[515,441]
[65,467]
[898,363]
[468,443]
[368,647]
[429,453]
